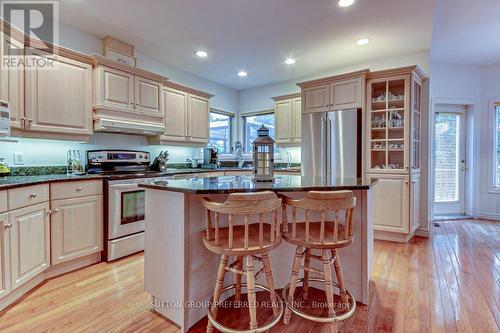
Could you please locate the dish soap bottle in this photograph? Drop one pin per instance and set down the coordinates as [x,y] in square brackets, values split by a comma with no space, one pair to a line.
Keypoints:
[4,168]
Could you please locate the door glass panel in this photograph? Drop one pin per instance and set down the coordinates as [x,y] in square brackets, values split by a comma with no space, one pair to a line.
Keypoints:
[447,129]
[133,206]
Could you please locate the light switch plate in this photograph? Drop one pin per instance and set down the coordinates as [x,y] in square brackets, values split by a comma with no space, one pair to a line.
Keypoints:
[18,158]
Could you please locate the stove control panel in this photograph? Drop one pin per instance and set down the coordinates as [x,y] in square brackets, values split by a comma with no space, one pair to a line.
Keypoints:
[118,156]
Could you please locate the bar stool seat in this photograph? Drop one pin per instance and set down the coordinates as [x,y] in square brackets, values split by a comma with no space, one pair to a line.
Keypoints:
[244,240]
[238,248]
[314,240]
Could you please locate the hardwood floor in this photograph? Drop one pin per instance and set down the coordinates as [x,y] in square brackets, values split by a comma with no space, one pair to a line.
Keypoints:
[450,283]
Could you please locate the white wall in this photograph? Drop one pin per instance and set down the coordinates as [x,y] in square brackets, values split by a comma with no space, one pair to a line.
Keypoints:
[488,201]
[52,152]
[259,98]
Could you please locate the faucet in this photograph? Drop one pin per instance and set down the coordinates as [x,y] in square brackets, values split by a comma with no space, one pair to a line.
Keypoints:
[288,160]
[238,151]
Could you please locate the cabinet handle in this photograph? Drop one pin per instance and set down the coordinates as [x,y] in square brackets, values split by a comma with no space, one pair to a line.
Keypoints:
[7,225]
[55,210]
[79,189]
[407,182]
[32,195]
[23,122]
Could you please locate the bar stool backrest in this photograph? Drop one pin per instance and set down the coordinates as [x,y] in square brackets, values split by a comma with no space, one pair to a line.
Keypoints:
[340,203]
[242,209]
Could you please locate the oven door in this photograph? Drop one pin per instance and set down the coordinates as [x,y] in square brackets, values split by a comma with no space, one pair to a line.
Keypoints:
[126,208]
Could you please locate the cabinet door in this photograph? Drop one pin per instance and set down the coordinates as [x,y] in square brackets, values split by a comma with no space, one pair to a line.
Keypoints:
[283,115]
[316,99]
[76,228]
[12,88]
[59,99]
[198,115]
[297,119]
[390,203]
[148,97]
[4,255]
[346,94]
[415,202]
[114,89]
[176,105]
[29,243]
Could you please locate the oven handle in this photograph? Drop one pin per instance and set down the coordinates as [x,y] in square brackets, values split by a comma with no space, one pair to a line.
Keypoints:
[122,186]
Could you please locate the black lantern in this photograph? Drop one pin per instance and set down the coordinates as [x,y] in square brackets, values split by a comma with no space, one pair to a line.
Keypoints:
[263,156]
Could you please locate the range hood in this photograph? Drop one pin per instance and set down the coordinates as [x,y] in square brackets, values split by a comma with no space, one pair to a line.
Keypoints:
[127,127]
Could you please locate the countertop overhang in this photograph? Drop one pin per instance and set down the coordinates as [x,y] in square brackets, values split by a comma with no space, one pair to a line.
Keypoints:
[239,184]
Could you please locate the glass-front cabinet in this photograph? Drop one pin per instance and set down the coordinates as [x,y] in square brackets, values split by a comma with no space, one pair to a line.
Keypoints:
[393,124]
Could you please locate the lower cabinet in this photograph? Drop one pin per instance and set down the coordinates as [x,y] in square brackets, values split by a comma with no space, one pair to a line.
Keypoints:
[76,228]
[29,233]
[396,205]
[391,203]
[4,255]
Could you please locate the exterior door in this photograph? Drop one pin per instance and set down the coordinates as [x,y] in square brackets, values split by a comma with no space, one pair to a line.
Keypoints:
[59,100]
[449,161]
[76,228]
[29,243]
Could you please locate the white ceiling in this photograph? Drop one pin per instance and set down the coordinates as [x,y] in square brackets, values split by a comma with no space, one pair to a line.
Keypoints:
[466,32]
[257,35]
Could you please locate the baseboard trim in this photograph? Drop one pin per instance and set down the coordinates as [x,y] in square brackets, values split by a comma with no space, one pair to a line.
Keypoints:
[422,233]
[487,216]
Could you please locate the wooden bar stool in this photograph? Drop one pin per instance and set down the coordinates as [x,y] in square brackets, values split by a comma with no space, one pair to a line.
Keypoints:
[325,235]
[243,239]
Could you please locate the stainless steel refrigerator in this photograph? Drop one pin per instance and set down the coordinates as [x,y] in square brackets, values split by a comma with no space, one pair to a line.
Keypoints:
[331,144]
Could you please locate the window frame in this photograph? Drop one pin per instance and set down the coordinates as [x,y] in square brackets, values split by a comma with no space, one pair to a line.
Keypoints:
[493,186]
[232,117]
[244,125]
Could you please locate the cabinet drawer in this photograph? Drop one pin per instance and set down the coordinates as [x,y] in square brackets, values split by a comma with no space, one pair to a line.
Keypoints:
[75,189]
[3,201]
[26,196]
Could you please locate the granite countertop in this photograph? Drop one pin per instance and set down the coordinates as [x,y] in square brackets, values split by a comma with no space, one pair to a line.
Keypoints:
[8,182]
[234,184]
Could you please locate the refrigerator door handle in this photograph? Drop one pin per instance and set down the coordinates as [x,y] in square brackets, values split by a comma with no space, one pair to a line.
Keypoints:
[329,128]
[323,146]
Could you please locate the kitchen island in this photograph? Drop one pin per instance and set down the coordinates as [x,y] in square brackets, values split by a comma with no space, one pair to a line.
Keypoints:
[180,273]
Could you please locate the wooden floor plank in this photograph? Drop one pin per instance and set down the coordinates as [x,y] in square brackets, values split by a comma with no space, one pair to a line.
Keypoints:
[448,283]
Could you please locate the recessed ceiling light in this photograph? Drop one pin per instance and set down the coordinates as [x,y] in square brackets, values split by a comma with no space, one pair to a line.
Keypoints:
[290,61]
[363,41]
[242,73]
[201,54]
[346,3]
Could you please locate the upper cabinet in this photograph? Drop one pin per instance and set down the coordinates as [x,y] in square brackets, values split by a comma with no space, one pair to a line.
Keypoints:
[334,93]
[12,88]
[187,113]
[394,120]
[58,99]
[127,99]
[287,113]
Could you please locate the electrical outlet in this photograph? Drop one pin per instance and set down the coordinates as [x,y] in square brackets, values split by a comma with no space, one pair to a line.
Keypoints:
[18,158]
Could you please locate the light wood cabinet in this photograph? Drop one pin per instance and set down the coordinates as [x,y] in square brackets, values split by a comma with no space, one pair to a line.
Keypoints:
[12,88]
[59,100]
[198,119]
[415,191]
[116,88]
[127,99]
[76,227]
[176,104]
[29,243]
[391,202]
[334,93]
[288,114]
[187,114]
[4,255]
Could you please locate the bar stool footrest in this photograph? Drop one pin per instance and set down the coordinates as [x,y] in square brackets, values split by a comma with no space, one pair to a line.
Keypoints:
[260,329]
[329,319]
